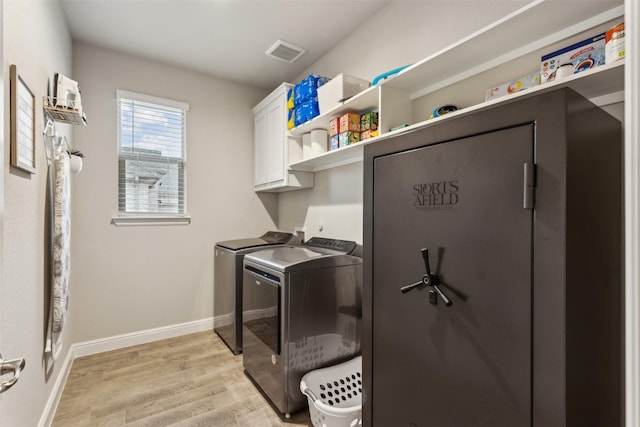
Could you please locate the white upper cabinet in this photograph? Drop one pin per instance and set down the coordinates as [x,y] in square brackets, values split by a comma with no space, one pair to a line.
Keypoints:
[275,148]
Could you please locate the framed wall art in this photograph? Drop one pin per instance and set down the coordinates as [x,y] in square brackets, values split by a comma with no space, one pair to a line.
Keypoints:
[23,132]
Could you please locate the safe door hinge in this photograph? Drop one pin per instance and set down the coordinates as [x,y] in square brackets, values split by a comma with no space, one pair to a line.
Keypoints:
[529,185]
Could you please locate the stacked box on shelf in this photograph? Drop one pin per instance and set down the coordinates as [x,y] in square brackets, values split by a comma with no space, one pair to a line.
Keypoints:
[368,125]
[305,99]
[334,131]
[347,138]
[349,122]
[290,110]
[349,128]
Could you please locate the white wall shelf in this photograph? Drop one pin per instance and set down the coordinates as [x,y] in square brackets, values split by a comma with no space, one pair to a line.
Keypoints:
[515,39]
[64,113]
[535,26]
[603,85]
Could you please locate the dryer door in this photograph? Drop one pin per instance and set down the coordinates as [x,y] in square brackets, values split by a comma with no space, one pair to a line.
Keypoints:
[467,364]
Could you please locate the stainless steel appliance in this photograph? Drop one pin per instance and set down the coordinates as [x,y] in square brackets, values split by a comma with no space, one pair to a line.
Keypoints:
[492,282]
[227,279]
[301,311]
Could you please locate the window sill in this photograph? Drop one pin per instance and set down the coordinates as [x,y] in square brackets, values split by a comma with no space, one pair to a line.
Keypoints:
[150,220]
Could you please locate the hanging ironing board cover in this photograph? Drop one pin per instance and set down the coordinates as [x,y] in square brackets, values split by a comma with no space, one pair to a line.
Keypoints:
[61,240]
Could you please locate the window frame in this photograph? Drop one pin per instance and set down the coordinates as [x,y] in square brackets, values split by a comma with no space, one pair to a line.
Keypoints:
[123,218]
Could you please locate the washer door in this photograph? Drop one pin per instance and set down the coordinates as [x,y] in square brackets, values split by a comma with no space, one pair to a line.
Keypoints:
[467,364]
[261,331]
[261,316]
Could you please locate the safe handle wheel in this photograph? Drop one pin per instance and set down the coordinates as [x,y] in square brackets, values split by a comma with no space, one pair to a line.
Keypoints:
[429,279]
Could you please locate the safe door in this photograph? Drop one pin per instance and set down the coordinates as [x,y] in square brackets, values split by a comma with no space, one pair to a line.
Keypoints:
[452,283]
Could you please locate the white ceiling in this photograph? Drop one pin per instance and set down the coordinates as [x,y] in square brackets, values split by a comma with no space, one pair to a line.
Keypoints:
[223,38]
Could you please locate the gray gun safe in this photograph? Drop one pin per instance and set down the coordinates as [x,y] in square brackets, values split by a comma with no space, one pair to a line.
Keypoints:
[492,278]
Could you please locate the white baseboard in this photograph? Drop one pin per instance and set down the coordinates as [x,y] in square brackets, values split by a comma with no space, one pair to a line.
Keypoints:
[114,343]
[141,337]
[56,392]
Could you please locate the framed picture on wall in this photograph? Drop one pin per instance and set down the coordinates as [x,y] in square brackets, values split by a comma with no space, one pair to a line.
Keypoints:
[23,129]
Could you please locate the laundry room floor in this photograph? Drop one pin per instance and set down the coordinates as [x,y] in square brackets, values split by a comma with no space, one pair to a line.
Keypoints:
[192,380]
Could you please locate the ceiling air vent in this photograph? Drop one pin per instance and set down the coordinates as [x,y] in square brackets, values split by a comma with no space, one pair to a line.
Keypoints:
[285,51]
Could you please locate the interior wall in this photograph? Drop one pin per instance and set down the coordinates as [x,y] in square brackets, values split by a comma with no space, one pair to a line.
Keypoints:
[400,34]
[135,278]
[39,46]
[333,208]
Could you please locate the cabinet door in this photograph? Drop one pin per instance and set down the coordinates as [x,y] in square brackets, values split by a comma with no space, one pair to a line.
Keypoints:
[276,149]
[468,364]
[261,149]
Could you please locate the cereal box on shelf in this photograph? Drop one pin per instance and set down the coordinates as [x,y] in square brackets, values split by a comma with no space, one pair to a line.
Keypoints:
[584,55]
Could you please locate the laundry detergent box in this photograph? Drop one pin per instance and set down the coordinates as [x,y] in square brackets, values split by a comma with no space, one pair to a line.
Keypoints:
[584,55]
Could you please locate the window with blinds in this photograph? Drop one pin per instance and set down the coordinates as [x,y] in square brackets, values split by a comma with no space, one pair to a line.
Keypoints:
[151,156]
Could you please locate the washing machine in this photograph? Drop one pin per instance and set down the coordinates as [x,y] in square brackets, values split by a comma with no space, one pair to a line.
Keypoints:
[227,278]
[302,310]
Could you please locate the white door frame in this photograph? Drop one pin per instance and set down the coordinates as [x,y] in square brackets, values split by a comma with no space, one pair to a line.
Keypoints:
[3,410]
[632,213]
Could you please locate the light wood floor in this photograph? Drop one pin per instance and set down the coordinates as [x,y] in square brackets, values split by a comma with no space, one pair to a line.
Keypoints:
[192,380]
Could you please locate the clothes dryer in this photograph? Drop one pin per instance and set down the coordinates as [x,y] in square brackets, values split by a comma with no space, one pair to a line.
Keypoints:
[227,277]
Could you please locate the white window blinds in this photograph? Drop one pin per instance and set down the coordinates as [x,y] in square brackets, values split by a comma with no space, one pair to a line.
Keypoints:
[151,156]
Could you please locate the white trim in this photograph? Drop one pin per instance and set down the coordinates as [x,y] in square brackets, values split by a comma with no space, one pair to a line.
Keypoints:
[146,220]
[56,392]
[151,99]
[141,337]
[632,214]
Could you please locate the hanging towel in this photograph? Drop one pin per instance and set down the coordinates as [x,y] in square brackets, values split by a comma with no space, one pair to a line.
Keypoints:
[60,256]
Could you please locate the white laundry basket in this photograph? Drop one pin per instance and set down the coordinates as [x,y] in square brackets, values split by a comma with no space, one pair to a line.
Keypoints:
[335,394]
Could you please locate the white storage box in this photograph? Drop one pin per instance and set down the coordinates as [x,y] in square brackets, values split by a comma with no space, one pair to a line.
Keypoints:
[338,89]
[335,394]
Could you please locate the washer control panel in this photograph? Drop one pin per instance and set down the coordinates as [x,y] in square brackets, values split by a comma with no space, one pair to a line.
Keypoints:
[345,246]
